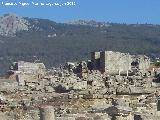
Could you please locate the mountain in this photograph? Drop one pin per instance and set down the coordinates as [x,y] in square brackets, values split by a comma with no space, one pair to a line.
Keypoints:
[10,24]
[30,39]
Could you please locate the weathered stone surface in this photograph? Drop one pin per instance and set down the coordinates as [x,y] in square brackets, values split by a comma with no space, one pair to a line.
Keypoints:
[82,85]
[141,62]
[123,89]
[10,24]
[113,62]
[31,68]
[119,63]
[95,96]
[8,86]
[47,113]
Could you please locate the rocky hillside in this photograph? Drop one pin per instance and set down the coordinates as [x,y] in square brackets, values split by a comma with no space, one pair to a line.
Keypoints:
[10,24]
[91,23]
[31,39]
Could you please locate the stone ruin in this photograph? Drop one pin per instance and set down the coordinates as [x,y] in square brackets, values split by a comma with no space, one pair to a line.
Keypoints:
[110,86]
[140,62]
[116,62]
[24,71]
[113,62]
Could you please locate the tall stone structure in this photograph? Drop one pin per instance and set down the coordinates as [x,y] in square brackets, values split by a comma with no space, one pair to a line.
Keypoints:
[117,63]
[113,62]
[95,59]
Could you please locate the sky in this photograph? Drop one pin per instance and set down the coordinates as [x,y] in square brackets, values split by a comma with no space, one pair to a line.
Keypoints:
[116,11]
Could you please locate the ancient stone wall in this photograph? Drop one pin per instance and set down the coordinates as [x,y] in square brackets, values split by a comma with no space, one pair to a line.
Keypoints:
[116,62]
[31,68]
[113,62]
[140,63]
[144,62]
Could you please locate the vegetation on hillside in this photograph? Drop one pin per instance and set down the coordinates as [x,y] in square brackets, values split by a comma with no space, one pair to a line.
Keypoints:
[75,42]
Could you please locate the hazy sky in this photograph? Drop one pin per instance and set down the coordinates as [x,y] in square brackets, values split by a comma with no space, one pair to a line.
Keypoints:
[117,11]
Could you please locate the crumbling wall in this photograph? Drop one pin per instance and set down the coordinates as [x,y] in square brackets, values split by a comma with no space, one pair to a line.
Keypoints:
[116,62]
[144,62]
[140,62]
[23,71]
[113,62]
[31,68]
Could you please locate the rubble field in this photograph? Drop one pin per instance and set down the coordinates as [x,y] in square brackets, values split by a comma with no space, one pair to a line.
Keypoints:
[108,86]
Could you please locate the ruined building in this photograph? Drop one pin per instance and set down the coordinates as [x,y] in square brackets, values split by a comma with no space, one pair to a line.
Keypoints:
[103,88]
[116,62]
[113,62]
[23,71]
[141,62]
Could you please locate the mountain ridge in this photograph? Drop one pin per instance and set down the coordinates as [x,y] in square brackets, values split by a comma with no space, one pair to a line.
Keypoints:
[23,23]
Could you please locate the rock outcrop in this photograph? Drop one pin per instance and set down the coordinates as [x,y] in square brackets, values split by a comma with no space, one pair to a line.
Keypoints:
[10,24]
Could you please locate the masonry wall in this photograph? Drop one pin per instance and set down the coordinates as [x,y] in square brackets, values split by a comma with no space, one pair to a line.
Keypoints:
[31,68]
[113,62]
[144,62]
